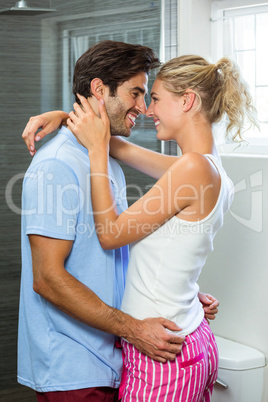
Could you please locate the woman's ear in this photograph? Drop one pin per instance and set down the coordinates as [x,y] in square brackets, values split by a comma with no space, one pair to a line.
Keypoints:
[188,100]
[97,88]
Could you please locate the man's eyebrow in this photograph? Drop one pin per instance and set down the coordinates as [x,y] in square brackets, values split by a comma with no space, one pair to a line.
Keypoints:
[142,90]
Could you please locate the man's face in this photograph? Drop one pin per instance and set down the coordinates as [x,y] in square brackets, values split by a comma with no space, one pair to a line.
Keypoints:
[127,104]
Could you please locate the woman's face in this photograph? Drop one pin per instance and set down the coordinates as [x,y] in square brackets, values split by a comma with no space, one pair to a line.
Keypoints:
[165,109]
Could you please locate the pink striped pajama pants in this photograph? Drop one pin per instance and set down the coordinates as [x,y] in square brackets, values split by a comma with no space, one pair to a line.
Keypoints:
[188,378]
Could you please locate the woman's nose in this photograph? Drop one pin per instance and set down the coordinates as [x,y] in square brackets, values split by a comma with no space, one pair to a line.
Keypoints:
[149,111]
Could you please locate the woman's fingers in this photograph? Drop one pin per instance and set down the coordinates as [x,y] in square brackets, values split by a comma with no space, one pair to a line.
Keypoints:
[70,124]
[87,107]
[78,110]
[72,117]
[31,134]
[92,131]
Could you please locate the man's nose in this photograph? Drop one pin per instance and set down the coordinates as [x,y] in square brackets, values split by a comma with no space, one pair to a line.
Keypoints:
[141,106]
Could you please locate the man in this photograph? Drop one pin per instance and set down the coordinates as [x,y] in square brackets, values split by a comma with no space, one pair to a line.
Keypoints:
[71,289]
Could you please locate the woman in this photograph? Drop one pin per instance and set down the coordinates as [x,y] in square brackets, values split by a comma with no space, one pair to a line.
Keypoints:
[171,227]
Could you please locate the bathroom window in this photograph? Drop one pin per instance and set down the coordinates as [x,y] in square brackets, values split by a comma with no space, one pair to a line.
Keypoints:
[241,33]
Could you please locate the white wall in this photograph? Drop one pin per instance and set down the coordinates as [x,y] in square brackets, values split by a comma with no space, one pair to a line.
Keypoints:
[237,271]
[194,27]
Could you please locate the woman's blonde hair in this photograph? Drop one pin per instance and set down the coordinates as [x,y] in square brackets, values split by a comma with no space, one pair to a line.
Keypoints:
[219,87]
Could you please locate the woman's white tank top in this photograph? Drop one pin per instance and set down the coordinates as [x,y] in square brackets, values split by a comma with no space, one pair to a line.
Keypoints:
[164,266]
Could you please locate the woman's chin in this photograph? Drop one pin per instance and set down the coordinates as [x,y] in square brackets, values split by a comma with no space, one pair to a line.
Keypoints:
[160,136]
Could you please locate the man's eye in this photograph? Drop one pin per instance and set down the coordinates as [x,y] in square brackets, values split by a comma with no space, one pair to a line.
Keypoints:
[135,94]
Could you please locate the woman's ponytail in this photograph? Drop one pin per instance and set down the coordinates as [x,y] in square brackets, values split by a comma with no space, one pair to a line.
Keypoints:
[236,100]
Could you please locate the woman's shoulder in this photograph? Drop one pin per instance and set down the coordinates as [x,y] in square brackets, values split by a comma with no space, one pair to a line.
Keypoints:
[197,169]
[192,161]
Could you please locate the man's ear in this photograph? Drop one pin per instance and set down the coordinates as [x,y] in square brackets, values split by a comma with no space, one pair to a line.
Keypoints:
[97,88]
[188,100]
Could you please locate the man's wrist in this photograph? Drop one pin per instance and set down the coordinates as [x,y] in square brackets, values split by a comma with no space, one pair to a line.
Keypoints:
[131,329]
[126,326]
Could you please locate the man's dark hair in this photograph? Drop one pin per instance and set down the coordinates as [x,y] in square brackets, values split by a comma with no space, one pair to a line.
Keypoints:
[114,63]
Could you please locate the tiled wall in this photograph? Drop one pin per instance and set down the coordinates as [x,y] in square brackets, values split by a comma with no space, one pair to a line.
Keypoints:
[20,97]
